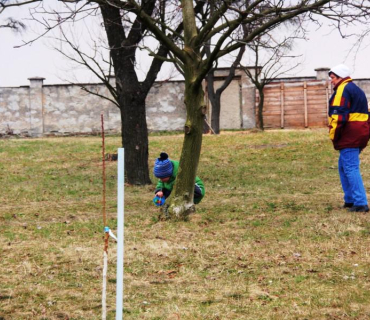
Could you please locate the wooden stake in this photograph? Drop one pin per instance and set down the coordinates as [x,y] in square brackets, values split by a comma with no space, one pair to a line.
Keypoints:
[106,229]
[282,105]
[327,100]
[305,104]
[103,170]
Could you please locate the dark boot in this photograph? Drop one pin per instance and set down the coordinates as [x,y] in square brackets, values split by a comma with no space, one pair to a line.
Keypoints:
[347,205]
[359,209]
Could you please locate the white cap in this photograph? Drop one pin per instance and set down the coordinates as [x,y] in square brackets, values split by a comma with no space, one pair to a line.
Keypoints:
[341,70]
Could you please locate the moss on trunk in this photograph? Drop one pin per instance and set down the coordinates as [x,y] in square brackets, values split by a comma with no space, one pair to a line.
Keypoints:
[181,200]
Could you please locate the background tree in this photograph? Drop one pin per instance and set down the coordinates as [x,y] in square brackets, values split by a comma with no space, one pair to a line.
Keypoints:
[130,92]
[270,60]
[125,36]
[275,62]
[226,21]
[214,95]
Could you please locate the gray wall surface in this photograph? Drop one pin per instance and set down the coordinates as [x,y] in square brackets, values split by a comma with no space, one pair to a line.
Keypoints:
[40,109]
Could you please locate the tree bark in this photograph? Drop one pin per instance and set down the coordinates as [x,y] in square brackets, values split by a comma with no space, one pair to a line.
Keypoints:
[181,201]
[216,111]
[131,97]
[260,108]
[134,138]
[216,106]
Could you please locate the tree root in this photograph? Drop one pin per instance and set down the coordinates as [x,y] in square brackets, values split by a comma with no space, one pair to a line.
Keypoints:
[182,212]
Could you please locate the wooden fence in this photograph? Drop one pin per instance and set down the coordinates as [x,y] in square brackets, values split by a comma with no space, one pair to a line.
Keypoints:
[296,104]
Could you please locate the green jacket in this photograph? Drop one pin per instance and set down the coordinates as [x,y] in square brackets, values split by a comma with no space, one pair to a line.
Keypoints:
[170,183]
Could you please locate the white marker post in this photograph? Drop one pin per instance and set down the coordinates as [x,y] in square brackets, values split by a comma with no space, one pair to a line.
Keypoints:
[120,232]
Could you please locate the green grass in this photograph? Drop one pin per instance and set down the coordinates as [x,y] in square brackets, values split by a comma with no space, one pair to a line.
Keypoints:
[269,240]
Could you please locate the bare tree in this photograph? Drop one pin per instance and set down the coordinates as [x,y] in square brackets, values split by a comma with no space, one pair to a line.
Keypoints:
[131,93]
[214,95]
[271,59]
[125,36]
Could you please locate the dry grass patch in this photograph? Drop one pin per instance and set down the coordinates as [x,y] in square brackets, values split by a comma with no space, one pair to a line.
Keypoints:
[269,241]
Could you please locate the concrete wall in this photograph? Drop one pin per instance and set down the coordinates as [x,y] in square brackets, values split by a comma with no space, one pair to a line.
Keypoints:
[15,110]
[165,109]
[67,109]
[40,109]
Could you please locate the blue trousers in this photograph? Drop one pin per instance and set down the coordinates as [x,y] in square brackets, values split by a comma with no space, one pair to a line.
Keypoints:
[350,176]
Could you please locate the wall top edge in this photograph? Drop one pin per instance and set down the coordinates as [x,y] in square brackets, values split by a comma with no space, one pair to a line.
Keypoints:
[36,78]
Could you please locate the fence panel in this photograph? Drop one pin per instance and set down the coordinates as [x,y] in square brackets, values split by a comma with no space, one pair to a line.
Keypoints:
[295,104]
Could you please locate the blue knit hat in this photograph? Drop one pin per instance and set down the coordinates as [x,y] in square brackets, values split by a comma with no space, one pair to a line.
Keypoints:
[163,167]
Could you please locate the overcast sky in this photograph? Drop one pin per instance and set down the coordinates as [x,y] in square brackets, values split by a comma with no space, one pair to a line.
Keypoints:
[323,49]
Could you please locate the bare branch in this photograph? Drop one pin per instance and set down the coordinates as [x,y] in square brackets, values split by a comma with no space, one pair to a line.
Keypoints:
[14,25]
[85,60]
[49,27]
[4,4]
[95,93]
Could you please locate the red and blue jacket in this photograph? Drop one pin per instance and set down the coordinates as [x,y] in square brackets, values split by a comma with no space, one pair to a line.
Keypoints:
[348,116]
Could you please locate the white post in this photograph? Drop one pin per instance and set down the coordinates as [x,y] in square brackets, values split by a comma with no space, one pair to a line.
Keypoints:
[120,232]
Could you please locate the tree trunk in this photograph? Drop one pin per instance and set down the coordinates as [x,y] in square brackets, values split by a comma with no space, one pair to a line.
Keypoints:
[260,108]
[131,97]
[135,139]
[134,129]
[215,95]
[181,200]
[216,111]
[215,102]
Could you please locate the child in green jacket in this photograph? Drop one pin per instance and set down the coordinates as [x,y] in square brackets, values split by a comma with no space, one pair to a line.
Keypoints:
[166,171]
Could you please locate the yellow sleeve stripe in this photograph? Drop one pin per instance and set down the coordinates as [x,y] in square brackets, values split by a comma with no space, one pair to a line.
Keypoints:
[333,122]
[358,117]
[339,93]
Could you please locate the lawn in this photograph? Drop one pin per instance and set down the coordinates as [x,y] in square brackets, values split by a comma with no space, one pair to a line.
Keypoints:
[268,241]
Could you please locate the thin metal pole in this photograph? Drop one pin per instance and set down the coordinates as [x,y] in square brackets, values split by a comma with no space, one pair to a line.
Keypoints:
[120,233]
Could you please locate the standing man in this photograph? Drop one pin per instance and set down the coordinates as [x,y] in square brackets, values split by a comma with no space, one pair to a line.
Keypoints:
[349,131]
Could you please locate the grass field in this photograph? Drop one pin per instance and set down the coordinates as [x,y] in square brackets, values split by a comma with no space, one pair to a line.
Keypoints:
[269,240]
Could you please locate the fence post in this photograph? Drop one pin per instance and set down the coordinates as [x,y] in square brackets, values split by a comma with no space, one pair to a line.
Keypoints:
[327,100]
[305,104]
[282,105]
[36,106]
